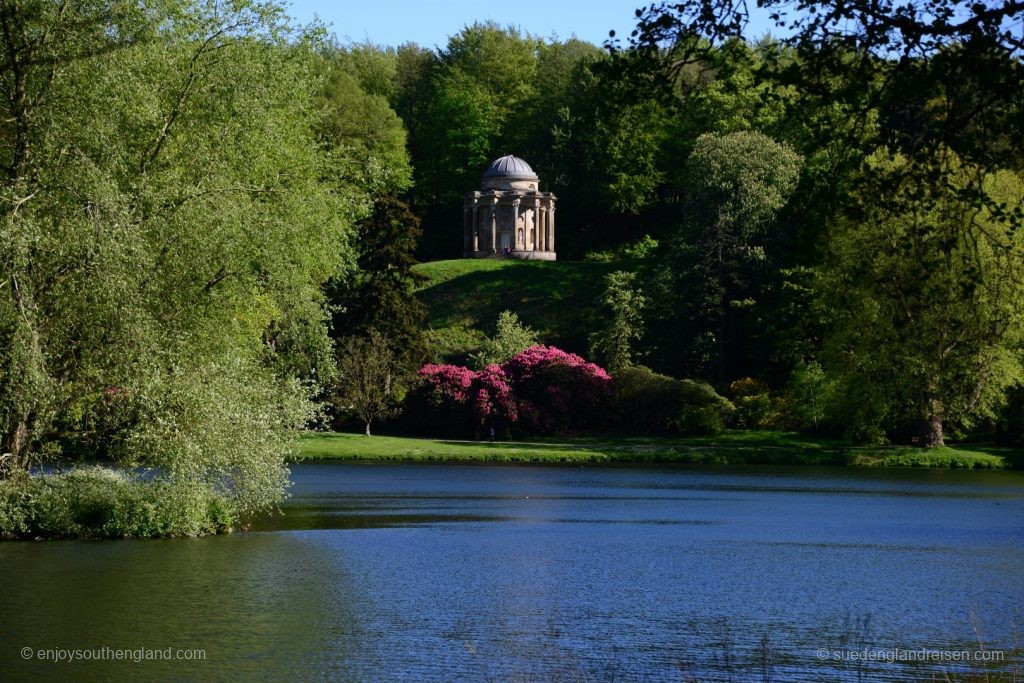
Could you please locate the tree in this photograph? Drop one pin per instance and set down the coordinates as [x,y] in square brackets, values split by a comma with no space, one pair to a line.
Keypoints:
[162,208]
[379,294]
[365,134]
[925,289]
[738,184]
[510,337]
[621,313]
[928,72]
[369,383]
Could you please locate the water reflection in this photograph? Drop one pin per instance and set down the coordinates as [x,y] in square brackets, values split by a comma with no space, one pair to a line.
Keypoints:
[539,573]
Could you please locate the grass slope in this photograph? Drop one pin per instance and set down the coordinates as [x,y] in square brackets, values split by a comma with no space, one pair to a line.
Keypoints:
[464,297]
[733,447]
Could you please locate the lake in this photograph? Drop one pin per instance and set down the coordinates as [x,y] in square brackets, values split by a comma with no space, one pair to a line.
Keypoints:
[454,572]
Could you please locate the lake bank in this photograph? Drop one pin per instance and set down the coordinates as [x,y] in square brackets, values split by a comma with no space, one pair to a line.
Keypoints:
[730,448]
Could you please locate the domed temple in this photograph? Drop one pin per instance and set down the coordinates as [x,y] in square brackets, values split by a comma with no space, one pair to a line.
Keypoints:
[510,217]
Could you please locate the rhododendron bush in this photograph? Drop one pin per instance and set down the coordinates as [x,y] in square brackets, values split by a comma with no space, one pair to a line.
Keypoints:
[540,390]
[557,391]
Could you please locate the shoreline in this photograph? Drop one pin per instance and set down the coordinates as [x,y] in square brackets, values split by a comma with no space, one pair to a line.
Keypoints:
[730,448]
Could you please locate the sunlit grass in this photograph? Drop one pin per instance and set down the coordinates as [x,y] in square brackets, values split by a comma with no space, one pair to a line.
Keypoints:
[465,296]
[733,447]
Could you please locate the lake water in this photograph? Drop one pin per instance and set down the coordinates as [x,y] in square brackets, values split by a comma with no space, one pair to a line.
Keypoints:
[415,572]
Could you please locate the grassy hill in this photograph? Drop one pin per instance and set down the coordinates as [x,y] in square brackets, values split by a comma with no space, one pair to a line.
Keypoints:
[465,296]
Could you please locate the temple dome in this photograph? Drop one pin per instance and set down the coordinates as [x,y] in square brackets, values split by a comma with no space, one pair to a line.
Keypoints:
[509,167]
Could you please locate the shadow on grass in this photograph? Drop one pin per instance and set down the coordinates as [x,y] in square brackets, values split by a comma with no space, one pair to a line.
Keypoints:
[556,298]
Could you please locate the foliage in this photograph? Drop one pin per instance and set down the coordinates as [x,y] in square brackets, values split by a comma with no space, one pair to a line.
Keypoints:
[557,391]
[738,184]
[540,390]
[458,396]
[369,382]
[379,295]
[167,220]
[701,409]
[510,337]
[646,402]
[643,248]
[98,502]
[364,135]
[927,289]
[942,71]
[621,314]
[755,406]
[804,406]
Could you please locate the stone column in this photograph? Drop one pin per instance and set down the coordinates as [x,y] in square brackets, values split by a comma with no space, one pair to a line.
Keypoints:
[551,227]
[542,226]
[536,225]
[515,225]
[494,225]
[476,228]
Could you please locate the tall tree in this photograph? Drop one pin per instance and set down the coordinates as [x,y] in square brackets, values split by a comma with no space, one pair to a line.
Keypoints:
[364,134]
[380,295]
[925,289]
[162,208]
[622,309]
[738,184]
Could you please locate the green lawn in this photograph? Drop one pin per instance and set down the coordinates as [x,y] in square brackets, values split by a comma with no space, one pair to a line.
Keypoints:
[734,447]
[464,297]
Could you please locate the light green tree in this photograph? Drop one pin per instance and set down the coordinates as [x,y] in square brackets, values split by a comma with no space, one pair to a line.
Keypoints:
[366,138]
[369,382]
[162,208]
[510,337]
[925,288]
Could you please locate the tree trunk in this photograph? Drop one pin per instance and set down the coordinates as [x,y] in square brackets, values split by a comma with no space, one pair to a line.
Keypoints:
[14,443]
[929,429]
[367,429]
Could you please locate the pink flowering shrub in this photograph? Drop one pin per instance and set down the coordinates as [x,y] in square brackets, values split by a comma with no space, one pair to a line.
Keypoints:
[557,391]
[494,400]
[448,382]
[540,390]
[451,397]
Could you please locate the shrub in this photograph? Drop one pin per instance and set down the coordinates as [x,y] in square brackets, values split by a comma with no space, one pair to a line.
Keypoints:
[99,502]
[645,401]
[701,409]
[557,391]
[453,399]
[755,407]
[648,402]
[540,390]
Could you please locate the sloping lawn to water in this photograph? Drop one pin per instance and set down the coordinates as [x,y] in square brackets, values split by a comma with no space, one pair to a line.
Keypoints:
[732,447]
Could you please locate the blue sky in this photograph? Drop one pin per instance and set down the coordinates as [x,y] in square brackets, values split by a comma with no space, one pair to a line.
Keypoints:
[393,22]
